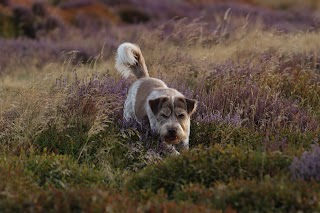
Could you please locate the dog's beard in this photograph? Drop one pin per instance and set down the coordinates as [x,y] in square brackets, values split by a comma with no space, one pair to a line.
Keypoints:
[172,139]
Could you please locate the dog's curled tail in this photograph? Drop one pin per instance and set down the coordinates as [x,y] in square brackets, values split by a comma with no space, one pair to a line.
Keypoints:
[130,61]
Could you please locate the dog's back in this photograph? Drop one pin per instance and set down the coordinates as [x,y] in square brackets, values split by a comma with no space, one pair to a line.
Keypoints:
[130,62]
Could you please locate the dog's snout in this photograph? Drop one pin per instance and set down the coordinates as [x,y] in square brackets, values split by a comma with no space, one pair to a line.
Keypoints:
[172,131]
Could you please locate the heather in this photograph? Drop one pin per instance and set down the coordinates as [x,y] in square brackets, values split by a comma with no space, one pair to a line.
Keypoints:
[254,67]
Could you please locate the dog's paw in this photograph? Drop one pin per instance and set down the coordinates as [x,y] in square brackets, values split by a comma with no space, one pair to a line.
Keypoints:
[169,149]
[175,153]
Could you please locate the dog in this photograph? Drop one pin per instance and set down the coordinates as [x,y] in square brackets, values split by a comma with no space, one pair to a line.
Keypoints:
[167,110]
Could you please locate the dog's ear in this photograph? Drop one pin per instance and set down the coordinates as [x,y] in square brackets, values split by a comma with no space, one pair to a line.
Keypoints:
[157,103]
[191,106]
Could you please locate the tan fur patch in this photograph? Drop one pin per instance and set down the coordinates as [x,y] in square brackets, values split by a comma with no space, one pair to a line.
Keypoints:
[144,90]
[180,110]
[180,102]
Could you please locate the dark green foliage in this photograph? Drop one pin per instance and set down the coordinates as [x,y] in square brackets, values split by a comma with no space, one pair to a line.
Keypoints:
[113,149]
[206,135]
[208,166]
[104,149]
[94,199]
[68,141]
[7,27]
[223,134]
[61,171]
[15,186]
[268,195]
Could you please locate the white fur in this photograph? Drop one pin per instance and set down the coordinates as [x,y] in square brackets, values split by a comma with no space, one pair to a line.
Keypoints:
[125,58]
[130,102]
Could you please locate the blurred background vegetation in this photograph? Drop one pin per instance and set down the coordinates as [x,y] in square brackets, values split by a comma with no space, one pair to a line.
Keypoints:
[35,18]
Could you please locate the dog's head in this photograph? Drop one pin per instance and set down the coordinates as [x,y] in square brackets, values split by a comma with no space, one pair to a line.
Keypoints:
[173,117]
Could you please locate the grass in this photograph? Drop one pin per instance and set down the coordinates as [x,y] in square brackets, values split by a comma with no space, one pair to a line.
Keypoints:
[64,145]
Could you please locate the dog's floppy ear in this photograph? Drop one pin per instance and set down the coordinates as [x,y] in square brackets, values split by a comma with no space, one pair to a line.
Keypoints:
[191,106]
[156,104]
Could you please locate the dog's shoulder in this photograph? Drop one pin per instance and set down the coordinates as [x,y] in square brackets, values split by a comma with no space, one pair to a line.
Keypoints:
[145,86]
[152,83]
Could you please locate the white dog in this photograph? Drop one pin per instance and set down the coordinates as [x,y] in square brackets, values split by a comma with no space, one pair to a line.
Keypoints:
[167,110]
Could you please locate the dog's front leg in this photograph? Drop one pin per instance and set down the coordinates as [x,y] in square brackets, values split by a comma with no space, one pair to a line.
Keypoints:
[183,146]
[170,149]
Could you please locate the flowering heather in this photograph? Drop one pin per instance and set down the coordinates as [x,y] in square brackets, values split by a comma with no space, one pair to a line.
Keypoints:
[307,167]
[29,53]
[234,92]
[93,95]
[101,99]
[23,51]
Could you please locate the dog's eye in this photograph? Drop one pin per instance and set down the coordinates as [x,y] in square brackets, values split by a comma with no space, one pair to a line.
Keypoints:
[164,115]
[181,116]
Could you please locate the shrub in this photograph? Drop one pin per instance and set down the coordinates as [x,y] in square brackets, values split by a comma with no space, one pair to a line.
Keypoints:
[62,171]
[278,195]
[207,167]
[68,141]
[15,184]
[218,132]
[258,107]
[94,199]
[109,148]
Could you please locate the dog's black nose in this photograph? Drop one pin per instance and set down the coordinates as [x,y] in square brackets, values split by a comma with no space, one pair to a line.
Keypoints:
[172,132]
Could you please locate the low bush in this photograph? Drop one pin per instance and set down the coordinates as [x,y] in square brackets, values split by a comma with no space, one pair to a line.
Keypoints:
[15,184]
[95,199]
[62,171]
[208,166]
[218,132]
[277,195]
[208,134]
[68,141]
